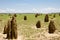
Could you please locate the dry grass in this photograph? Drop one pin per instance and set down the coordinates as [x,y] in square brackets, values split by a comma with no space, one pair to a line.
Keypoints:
[27,29]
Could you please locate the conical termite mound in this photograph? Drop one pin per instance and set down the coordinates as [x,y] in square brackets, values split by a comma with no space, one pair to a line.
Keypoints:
[38,24]
[51,27]
[36,15]
[25,17]
[46,18]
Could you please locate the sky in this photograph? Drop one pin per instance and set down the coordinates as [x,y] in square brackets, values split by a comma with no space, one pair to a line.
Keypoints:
[29,6]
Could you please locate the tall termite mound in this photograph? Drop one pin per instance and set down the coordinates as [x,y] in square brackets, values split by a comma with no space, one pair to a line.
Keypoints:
[46,18]
[8,29]
[51,27]
[7,26]
[25,17]
[13,28]
[5,30]
[38,24]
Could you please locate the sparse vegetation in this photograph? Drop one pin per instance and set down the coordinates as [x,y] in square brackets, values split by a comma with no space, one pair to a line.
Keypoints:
[28,28]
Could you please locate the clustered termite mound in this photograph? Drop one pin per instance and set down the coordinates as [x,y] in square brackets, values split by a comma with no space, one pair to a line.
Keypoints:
[11,29]
[38,24]
[51,27]
[46,18]
[25,17]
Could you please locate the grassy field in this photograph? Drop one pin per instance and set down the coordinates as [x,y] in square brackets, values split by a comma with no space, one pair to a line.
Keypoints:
[27,28]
